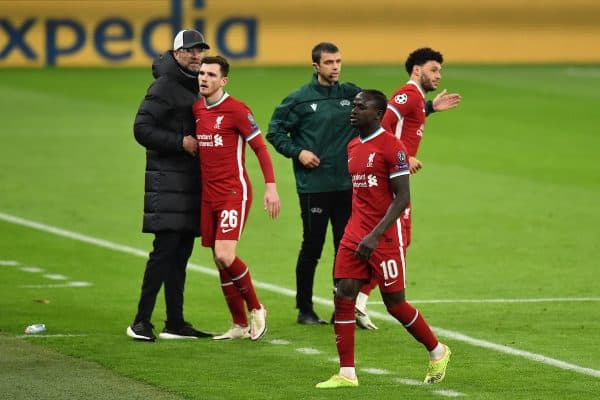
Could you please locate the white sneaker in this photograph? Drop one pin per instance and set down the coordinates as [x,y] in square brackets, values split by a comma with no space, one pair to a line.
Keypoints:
[258,323]
[363,320]
[235,332]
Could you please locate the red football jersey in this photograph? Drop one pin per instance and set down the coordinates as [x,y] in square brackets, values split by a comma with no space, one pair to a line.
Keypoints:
[372,162]
[405,116]
[222,130]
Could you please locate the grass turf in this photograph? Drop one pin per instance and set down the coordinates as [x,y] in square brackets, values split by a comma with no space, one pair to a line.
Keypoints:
[505,208]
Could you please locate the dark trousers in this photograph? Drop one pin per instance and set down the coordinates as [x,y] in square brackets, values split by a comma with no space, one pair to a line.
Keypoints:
[317,210]
[166,264]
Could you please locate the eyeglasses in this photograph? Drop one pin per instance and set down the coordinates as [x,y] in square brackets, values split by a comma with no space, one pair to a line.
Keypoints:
[193,50]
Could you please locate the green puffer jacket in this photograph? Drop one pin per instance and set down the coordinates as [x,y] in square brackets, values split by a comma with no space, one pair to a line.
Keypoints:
[316,118]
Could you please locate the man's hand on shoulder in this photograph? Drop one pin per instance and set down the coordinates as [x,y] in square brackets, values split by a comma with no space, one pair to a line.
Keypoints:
[308,159]
[190,145]
[444,101]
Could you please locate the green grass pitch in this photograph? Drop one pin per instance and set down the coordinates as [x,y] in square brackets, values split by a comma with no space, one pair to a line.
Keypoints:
[504,260]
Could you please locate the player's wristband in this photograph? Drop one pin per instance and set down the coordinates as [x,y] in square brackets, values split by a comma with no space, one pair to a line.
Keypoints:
[429,107]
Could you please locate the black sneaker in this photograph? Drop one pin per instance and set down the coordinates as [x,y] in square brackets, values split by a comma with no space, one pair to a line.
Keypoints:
[310,318]
[141,330]
[187,331]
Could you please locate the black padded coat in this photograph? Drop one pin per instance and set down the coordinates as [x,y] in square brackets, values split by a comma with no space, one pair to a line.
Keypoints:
[172,185]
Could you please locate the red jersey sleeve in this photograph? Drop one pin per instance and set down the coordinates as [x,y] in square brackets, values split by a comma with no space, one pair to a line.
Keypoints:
[401,104]
[246,124]
[396,158]
[251,132]
[264,159]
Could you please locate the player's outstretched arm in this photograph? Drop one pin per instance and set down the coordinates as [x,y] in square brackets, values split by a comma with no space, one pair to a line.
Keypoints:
[446,101]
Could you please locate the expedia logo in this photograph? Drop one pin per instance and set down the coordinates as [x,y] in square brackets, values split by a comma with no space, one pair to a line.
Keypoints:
[54,36]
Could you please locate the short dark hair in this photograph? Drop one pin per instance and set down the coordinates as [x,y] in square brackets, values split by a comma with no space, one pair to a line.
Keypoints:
[378,98]
[421,56]
[323,47]
[222,61]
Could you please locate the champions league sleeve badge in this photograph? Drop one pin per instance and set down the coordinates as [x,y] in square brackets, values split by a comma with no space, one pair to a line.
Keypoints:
[401,156]
[401,98]
[252,121]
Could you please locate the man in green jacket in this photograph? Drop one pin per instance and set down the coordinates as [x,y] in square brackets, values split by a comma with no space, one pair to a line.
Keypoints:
[312,127]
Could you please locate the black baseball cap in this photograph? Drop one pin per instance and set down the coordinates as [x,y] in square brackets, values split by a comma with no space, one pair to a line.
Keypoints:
[189,38]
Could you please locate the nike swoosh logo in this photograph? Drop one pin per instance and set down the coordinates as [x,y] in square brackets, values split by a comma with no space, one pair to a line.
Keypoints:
[386,284]
[227,230]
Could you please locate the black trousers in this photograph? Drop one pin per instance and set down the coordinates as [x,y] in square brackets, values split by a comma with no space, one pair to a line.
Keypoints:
[317,210]
[166,265]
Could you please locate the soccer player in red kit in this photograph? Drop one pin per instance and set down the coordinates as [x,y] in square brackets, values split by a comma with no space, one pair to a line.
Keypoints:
[372,245]
[405,117]
[223,127]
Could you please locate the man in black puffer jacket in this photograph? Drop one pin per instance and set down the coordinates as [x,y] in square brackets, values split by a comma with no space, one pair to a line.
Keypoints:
[165,126]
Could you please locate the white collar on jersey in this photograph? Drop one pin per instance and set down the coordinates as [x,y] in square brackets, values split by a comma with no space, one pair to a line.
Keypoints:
[373,135]
[411,82]
[216,103]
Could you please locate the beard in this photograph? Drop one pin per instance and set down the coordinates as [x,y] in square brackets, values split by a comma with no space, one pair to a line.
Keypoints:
[194,67]
[427,84]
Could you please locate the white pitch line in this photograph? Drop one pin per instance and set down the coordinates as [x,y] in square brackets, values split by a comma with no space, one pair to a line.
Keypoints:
[72,235]
[410,382]
[375,371]
[58,285]
[532,300]
[212,271]
[33,270]
[448,393]
[445,392]
[47,336]
[308,351]
[501,348]
[279,341]
[56,277]
[8,263]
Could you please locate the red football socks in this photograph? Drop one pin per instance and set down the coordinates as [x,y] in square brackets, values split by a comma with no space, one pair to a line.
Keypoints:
[240,275]
[414,323]
[233,298]
[344,328]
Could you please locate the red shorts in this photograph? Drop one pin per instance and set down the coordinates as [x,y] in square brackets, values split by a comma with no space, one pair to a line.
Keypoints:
[386,266]
[223,220]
